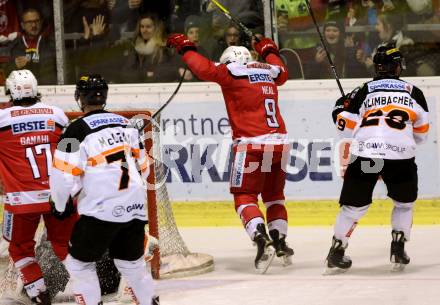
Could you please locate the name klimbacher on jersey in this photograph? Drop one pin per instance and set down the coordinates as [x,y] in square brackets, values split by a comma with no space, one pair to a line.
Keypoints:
[386,100]
[391,87]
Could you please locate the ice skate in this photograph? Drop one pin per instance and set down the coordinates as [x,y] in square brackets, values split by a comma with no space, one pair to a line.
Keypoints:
[337,262]
[282,250]
[398,256]
[156,300]
[42,299]
[265,249]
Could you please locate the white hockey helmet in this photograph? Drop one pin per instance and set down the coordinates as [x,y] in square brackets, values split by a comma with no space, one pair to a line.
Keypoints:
[236,54]
[21,84]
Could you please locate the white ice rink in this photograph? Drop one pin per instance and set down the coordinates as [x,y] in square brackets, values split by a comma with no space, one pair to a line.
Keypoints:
[368,282]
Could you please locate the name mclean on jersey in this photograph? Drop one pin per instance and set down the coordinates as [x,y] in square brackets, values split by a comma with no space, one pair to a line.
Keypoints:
[386,100]
[115,138]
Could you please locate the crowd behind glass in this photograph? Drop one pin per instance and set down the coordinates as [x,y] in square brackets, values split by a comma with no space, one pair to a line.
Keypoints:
[124,40]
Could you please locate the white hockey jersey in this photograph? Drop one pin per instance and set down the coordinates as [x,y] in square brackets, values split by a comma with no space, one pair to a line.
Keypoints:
[101,157]
[386,117]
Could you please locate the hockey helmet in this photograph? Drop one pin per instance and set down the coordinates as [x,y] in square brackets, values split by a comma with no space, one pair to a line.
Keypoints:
[387,59]
[236,54]
[91,89]
[22,86]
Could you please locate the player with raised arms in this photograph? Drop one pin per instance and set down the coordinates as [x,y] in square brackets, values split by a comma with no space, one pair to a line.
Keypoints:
[259,137]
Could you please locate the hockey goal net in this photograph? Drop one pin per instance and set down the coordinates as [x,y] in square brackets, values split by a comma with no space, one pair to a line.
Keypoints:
[172,258]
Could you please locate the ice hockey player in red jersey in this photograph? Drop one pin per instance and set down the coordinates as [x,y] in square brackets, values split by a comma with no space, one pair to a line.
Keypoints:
[259,135]
[29,133]
[386,117]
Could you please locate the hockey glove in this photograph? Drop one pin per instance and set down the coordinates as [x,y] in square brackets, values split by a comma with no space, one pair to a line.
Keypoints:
[341,104]
[181,43]
[68,211]
[265,47]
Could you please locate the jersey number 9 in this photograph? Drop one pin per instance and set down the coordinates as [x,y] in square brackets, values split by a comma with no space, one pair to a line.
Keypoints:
[271,113]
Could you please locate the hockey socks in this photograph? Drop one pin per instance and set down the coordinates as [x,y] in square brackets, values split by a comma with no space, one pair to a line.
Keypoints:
[85,282]
[402,217]
[139,281]
[346,221]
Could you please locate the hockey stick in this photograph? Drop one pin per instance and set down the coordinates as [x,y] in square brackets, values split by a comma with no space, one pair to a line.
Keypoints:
[228,15]
[156,114]
[171,97]
[332,65]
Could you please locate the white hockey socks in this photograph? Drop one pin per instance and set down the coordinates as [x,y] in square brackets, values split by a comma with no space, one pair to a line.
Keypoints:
[85,282]
[139,280]
[402,217]
[276,216]
[251,226]
[347,220]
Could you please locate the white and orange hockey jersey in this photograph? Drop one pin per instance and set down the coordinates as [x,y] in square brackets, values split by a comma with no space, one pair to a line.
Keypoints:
[385,117]
[100,156]
[28,136]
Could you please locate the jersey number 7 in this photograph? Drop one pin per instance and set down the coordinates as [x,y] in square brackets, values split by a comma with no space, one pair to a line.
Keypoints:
[120,156]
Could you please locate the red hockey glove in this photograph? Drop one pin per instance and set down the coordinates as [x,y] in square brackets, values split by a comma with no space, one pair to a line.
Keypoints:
[181,43]
[266,46]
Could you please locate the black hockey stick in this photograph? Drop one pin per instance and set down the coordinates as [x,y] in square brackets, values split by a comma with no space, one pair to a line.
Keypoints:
[324,45]
[156,114]
[228,15]
[171,97]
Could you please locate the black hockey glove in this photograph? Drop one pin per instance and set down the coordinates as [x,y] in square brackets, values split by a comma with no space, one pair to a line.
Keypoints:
[69,210]
[341,104]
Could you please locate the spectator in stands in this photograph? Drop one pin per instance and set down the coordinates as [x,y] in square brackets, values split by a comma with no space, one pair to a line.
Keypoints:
[294,16]
[9,29]
[423,58]
[147,58]
[45,7]
[34,51]
[249,12]
[183,9]
[232,37]
[389,28]
[342,51]
[96,51]
[9,24]
[192,28]
[76,10]
[123,14]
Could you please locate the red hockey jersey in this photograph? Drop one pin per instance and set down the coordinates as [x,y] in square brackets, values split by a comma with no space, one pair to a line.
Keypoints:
[29,135]
[251,96]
